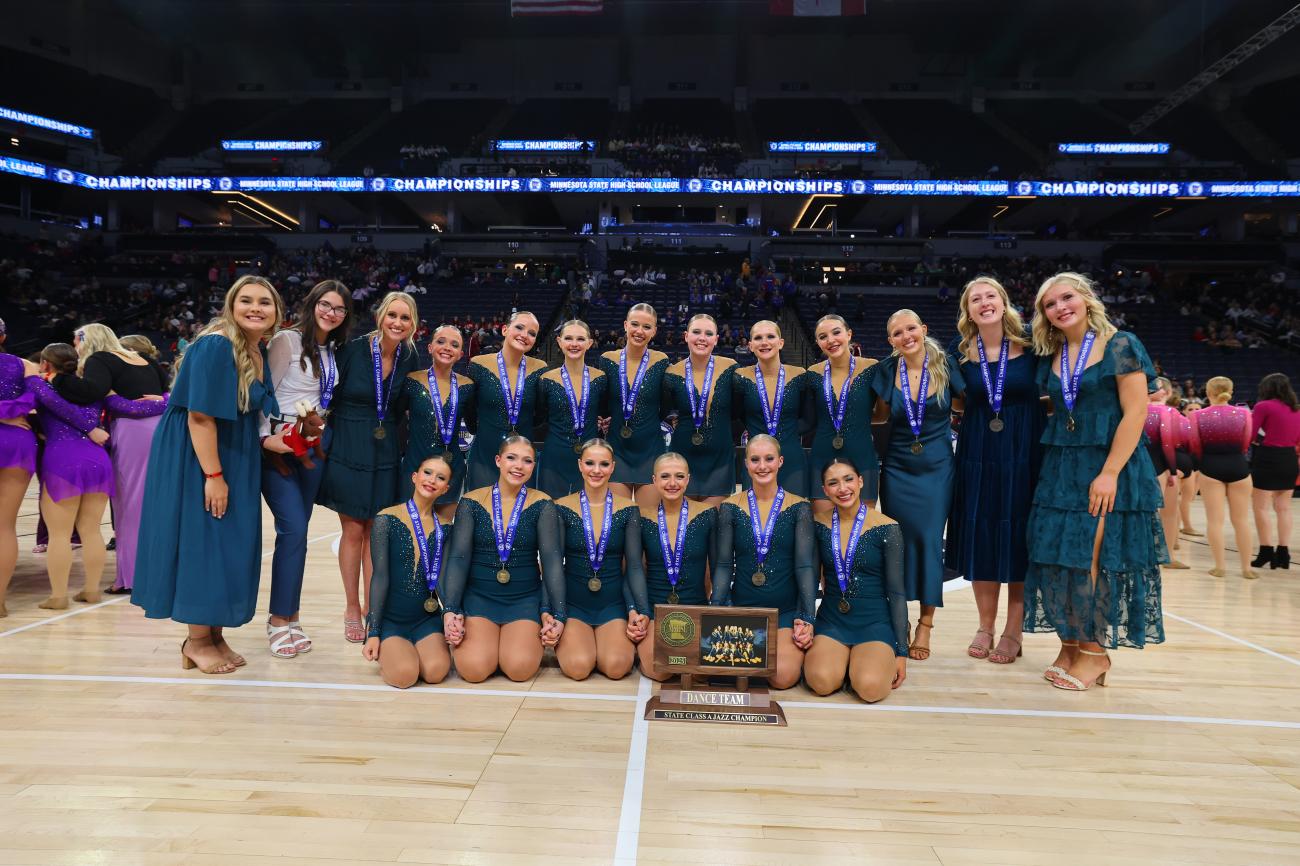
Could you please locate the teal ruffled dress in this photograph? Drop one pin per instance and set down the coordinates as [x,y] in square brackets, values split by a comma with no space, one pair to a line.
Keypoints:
[398,588]
[423,440]
[699,552]
[192,567]
[876,596]
[622,576]
[790,569]
[713,463]
[858,445]
[795,419]
[557,470]
[1121,607]
[636,454]
[493,423]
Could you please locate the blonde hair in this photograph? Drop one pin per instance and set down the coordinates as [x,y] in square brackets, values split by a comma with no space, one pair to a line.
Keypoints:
[390,299]
[670,455]
[597,442]
[762,439]
[642,308]
[691,320]
[517,313]
[774,325]
[937,358]
[224,325]
[99,338]
[584,325]
[1219,386]
[1013,327]
[141,345]
[1047,339]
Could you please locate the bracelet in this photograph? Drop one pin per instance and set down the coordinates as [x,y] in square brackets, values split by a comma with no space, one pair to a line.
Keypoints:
[216,474]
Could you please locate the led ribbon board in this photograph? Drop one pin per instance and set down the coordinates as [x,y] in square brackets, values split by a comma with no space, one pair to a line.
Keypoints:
[553,145]
[49,125]
[1113,148]
[276,145]
[821,147]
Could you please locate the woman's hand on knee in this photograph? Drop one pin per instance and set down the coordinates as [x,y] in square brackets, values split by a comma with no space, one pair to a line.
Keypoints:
[900,672]
[370,649]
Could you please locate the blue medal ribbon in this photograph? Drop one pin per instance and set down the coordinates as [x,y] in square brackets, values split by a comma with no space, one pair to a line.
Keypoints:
[699,401]
[915,409]
[505,533]
[629,395]
[446,426]
[577,407]
[1070,383]
[596,548]
[837,410]
[329,372]
[844,558]
[515,403]
[432,565]
[383,390]
[763,532]
[772,413]
[674,556]
[994,389]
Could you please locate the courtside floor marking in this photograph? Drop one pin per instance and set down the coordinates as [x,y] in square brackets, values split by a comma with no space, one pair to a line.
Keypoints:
[629,817]
[1233,638]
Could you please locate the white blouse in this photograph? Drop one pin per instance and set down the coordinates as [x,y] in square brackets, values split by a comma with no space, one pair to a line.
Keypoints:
[292,383]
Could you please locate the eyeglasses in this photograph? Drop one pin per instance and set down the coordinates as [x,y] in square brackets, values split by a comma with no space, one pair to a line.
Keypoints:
[325,308]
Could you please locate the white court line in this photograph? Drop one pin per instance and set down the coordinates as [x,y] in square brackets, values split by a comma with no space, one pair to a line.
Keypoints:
[80,611]
[629,816]
[642,691]
[1233,638]
[954,585]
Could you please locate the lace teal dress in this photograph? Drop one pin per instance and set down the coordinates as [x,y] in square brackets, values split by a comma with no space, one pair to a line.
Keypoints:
[699,552]
[916,489]
[621,575]
[636,454]
[713,463]
[362,473]
[493,424]
[876,595]
[398,589]
[1122,606]
[192,567]
[858,445]
[794,421]
[470,585]
[557,469]
[423,440]
[790,569]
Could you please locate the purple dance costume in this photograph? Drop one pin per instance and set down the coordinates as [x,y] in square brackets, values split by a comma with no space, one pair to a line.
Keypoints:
[17,444]
[71,465]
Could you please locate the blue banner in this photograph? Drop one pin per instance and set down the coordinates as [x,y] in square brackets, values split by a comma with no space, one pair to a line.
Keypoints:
[13,115]
[1114,148]
[821,147]
[269,145]
[543,144]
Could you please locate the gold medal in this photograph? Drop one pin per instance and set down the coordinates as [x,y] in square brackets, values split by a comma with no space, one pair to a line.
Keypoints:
[1069,423]
[697,438]
[996,425]
[503,575]
[431,605]
[837,442]
[577,448]
[759,578]
[844,605]
[379,432]
[916,447]
[626,432]
[673,598]
[594,584]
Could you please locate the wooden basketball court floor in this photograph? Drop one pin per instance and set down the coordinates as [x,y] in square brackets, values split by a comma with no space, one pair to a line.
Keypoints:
[110,754]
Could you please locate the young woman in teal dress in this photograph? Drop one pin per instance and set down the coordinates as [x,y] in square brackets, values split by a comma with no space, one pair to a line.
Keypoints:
[200,551]
[436,429]
[634,398]
[362,476]
[603,571]
[842,409]
[766,553]
[505,395]
[678,537]
[570,398]
[408,546]
[916,479]
[780,409]
[862,620]
[998,455]
[1095,539]
[700,390]
[503,586]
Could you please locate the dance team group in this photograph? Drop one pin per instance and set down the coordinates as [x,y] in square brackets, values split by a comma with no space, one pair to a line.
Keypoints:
[489,557]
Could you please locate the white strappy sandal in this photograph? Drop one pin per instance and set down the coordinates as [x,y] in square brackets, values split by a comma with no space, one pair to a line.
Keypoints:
[282,640]
[301,643]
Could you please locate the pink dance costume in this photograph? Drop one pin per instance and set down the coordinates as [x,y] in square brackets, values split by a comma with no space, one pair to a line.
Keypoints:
[71,465]
[1162,431]
[130,434]
[1220,437]
[17,444]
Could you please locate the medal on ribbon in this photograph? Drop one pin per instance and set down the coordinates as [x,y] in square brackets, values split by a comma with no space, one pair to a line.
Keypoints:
[329,374]
[915,409]
[699,401]
[844,558]
[772,413]
[383,389]
[446,425]
[505,533]
[596,547]
[577,406]
[627,394]
[432,564]
[516,401]
[675,555]
[763,532]
[1070,382]
[994,387]
[834,409]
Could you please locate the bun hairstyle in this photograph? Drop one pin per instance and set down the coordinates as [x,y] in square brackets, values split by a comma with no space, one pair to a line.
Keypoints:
[61,357]
[671,455]
[938,358]
[443,457]
[579,322]
[840,461]
[517,313]
[515,440]
[762,439]
[691,321]
[643,308]
[1219,386]
[774,325]
[141,345]
[596,442]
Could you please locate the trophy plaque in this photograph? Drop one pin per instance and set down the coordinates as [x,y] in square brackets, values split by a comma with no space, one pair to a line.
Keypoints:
[700,643]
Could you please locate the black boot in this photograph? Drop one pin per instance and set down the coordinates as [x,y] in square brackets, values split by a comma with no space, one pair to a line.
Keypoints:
[1265,556]
[1282,558]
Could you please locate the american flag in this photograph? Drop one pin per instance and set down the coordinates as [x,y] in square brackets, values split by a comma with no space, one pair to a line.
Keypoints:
[556,7]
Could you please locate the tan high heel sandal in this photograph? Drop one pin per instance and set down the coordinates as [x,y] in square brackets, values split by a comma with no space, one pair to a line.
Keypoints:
[1070,683]
[188,663]
[1054,671]
[920,653]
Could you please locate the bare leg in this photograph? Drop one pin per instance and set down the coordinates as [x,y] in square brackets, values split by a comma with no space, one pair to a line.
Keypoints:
[1282,509]
[920,649]
[1169,516]
[1187,488]
[1086,667]
[826,665]
[1214,495]
[645,653]
[435,658]
[13,485]
[576,651]
[219,641]
[986,602]
[1239,513]
[1263,507]
[198,648]
[60,517]
[614,651]
[399,664]
[1009,645]
[479,653]
[871,670]
[89,514]
[352,547]
[521,649]
[789,660]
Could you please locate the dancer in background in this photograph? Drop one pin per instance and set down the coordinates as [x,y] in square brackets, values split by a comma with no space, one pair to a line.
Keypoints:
[840,391]
[505,384]
[438,401]
[1163,430]
[773,399]
[634,406]
[362,475]
[569,397]
[304,370]
[1094,533]
[1273,467]
[17,455]
[700,389]
[917,395]
[998,456]
[1220,440]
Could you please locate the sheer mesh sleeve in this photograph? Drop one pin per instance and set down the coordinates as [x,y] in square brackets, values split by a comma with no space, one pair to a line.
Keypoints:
[379,579]
[52,402]
[635,595]
[279,355]
[25,403]
[895,590]
[1130,356]
[550,549]
[805,563]
[124,408]
[455,573]
[724,556]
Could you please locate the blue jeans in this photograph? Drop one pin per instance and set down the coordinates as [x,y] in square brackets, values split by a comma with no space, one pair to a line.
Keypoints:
[290,499]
